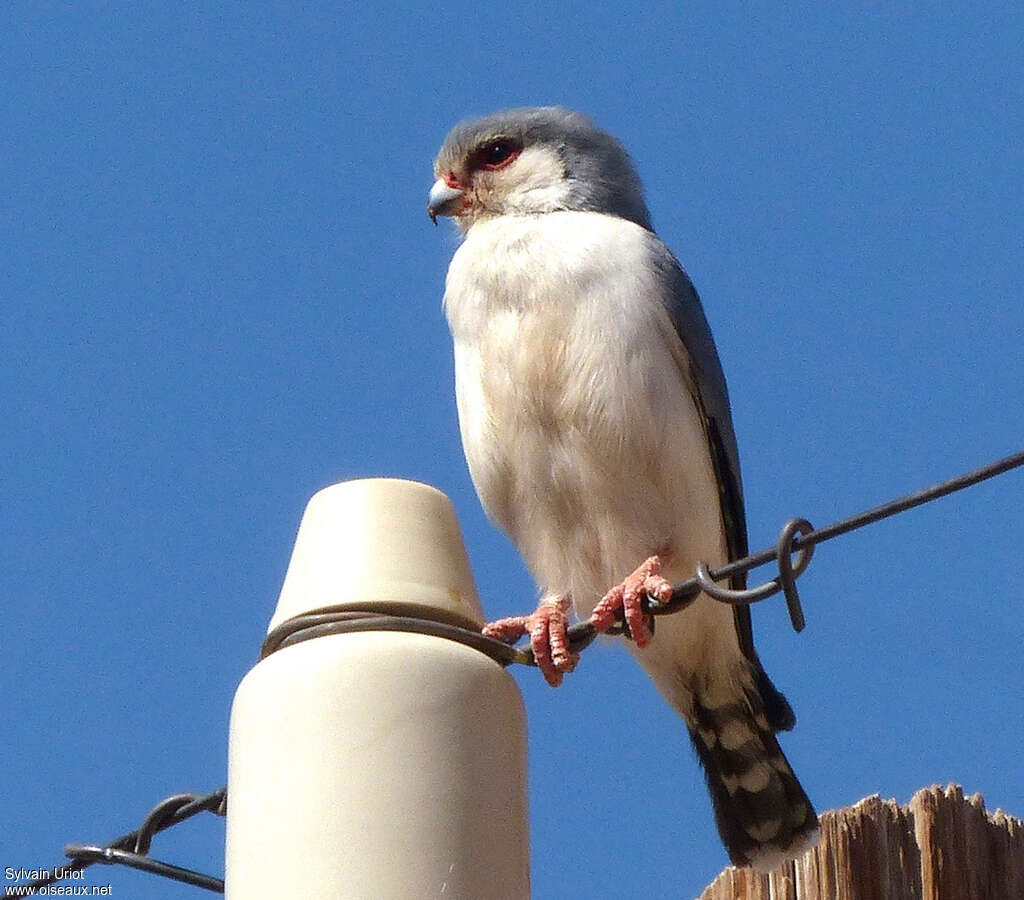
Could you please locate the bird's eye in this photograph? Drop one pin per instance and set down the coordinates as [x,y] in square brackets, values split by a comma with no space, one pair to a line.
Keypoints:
[497,154]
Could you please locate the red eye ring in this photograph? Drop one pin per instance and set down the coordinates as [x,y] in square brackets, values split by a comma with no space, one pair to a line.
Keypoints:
[497,154]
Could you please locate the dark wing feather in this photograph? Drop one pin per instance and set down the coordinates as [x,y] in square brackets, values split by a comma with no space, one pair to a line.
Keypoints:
[687,314]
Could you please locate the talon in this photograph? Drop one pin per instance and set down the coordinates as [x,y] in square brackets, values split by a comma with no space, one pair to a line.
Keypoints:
[507,631]
[628,596]
[547,628]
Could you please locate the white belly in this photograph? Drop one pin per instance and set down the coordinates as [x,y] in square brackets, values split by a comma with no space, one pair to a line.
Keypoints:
[579,426]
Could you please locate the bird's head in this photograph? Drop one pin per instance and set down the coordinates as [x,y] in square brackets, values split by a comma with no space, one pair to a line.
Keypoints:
[531,161]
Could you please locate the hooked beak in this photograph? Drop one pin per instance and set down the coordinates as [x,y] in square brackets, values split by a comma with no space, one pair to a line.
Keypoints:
[443,200]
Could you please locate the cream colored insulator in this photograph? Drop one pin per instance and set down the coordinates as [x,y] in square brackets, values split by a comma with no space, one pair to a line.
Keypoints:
[378,764]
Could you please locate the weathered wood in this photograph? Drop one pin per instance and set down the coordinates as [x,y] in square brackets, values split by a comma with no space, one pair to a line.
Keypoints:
[940,846]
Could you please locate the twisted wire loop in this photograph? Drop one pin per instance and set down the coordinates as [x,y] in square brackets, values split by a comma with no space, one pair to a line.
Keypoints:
[704,580]
[797,536]
[785,582]
[132,849]
[162,814]
[795,539]
[325,622]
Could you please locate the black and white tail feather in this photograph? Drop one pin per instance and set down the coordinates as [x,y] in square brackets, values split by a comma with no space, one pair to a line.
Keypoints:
[763,814]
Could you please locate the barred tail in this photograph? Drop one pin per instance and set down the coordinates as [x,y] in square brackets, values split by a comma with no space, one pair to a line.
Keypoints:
[762,812]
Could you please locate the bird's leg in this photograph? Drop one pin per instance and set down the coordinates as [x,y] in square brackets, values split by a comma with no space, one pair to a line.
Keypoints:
[547,628]
[629,595]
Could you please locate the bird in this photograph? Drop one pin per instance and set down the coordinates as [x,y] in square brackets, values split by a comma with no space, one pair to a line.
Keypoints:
[596,425]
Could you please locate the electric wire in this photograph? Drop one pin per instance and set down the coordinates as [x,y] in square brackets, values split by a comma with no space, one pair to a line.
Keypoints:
[797,537]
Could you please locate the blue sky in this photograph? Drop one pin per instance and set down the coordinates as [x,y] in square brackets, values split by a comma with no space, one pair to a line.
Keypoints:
[220,292]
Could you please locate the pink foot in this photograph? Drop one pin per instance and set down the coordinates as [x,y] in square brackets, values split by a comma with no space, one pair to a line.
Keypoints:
[629,596]
[547,630]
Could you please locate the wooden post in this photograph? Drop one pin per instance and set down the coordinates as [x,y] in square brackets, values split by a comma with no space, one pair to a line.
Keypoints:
[940,846]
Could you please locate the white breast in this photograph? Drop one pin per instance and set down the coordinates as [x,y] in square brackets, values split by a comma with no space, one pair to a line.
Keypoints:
[581,434]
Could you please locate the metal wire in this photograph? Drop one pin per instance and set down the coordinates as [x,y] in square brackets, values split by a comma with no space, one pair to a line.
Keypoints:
[111,855]
[797,536]
[131,849]
[685,593]
[327,621]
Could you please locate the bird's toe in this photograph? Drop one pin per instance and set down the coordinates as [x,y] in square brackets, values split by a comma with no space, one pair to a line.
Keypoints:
[548,629]
[627,599]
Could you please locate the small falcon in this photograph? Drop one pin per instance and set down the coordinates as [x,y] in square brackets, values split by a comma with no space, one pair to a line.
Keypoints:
[596,425]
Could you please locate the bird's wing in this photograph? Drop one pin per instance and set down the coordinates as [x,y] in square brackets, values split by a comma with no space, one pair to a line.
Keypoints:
[712,397]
